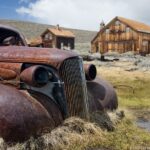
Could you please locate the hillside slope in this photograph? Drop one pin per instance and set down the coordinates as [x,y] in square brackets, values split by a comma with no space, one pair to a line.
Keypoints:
[32,30]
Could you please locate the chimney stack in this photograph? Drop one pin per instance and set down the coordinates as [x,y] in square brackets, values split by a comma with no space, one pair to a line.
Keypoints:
[58,27]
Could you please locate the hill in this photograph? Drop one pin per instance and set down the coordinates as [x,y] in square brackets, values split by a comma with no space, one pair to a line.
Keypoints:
[32,30]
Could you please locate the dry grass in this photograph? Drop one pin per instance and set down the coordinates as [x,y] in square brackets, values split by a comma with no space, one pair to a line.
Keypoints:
[77,134]
[132,88]
[73,130]
[74,133]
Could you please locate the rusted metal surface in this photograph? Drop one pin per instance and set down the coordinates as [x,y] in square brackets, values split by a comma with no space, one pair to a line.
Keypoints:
[51,107]
[90,71]
[48,86]
[29,75]
[22,116]
[47,56]
[7,74]
[16,67]
[101,95]
[10,71]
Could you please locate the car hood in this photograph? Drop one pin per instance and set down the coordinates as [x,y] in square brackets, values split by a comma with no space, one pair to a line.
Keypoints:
[23,54]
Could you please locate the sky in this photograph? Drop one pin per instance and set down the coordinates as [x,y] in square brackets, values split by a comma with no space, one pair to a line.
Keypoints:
[79,14]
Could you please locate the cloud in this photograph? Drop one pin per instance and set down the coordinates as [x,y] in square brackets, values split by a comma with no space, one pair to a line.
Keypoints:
[84,14]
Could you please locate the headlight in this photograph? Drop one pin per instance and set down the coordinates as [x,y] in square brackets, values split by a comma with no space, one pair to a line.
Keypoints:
[90,71]
[41,76]
[35,76]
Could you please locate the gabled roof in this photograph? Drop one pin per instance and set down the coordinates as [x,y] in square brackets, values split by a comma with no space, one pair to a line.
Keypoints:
[138,26]
[59,32]
[135,25]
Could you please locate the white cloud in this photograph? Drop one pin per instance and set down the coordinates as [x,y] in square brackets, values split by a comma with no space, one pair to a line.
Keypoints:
[84,14]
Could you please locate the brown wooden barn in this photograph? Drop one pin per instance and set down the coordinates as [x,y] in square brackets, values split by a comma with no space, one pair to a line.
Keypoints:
[122,35]
[58,38]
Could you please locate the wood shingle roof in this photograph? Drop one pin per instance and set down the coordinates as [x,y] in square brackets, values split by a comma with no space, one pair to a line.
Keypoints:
[60,32]
[141,27]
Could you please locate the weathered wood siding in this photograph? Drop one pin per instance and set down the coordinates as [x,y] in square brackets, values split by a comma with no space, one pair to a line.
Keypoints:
[49,40]
[118,37]
[121,38]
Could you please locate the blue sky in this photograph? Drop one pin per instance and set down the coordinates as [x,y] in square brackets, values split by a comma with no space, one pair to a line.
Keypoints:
[8,9]
[79,14]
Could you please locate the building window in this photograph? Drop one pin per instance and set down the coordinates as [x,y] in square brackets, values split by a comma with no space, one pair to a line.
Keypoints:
[107,31]
[62,45]
[127,29]
[50,37]
[69,46]
[46,37]
[117,23]
[145,43]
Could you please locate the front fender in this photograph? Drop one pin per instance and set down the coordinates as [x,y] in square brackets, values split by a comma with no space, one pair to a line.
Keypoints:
[22,116]
[101,95]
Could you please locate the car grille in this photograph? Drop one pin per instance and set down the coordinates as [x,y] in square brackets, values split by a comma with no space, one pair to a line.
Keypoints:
[73,76]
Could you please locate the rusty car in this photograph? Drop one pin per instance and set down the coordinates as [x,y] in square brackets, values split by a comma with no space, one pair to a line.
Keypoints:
[41,87]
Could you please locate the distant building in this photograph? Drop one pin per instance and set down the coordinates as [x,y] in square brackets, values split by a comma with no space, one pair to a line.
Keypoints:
[122,35]
[36,42]
[58,38]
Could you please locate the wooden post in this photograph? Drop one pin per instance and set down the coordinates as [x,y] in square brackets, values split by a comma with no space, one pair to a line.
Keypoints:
[133,46]
[140,42]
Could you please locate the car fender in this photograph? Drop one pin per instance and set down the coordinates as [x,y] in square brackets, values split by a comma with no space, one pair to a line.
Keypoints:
[22,116]
[102,93]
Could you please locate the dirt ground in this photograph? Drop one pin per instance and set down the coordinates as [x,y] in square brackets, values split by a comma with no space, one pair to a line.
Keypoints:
[122,71]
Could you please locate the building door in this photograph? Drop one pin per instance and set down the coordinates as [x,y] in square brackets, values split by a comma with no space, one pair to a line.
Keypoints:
[145,46]
[129,46]
[148,47]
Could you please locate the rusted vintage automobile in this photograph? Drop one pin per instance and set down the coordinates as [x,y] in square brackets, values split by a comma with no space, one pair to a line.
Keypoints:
[40,87]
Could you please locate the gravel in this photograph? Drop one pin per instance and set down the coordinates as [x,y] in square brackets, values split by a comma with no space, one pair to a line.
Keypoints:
[114,59]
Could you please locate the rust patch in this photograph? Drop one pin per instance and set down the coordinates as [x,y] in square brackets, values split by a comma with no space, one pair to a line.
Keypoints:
[6,74]
[22,116]
[46,56]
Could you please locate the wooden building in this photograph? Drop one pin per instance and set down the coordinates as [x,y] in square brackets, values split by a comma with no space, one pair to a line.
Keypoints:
[35,42]
[122,35]
[58,38]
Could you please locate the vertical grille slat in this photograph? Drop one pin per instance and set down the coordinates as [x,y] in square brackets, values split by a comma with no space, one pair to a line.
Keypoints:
[72,73]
